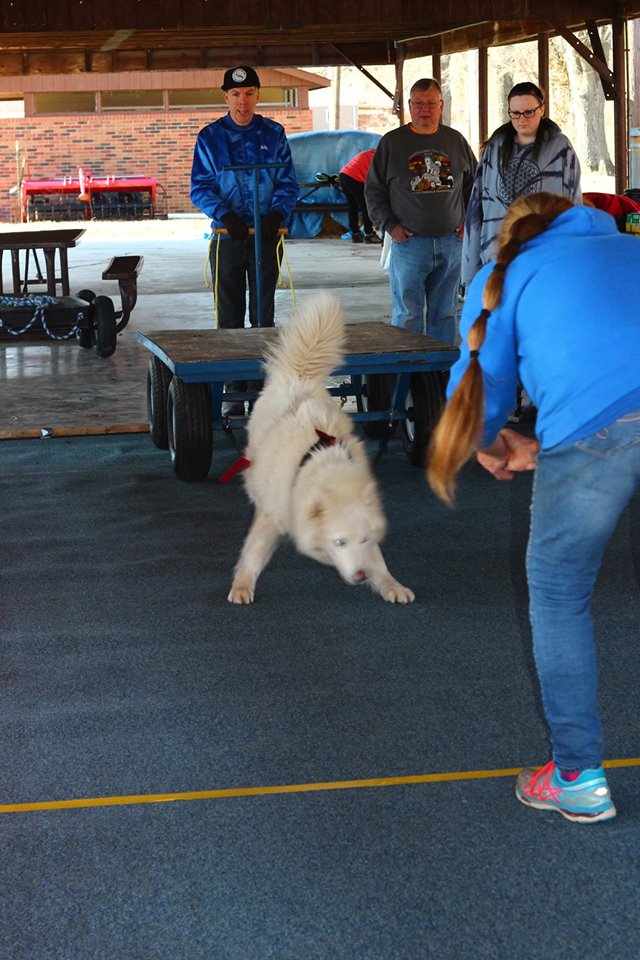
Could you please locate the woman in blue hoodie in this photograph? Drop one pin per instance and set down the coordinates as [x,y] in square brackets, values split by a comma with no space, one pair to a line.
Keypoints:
[557,311]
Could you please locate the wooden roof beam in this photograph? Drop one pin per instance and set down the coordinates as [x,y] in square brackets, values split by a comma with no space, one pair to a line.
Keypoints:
[594,59]
[362,70]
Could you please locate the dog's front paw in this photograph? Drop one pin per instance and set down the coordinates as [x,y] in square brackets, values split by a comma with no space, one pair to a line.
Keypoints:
[240,593]
[396,593]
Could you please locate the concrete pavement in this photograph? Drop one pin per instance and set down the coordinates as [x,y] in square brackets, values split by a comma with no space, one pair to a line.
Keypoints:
[63,388]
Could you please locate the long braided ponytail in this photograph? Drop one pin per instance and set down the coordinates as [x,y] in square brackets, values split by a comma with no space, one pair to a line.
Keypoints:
[459,430]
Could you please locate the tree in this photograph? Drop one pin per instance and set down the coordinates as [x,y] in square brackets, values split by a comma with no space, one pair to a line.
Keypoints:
[587,101]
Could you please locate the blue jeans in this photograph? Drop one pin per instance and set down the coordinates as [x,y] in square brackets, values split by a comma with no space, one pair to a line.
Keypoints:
[425,271]
[580,490]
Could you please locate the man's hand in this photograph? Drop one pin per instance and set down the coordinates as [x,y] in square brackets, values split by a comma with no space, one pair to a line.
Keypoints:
[510,453]
[236,227]
[400,234]
[270,225]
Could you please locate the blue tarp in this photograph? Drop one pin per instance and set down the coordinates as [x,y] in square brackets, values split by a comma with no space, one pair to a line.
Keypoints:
[324,151]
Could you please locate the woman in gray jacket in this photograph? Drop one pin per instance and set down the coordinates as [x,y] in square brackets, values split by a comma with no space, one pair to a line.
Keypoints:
[529,154]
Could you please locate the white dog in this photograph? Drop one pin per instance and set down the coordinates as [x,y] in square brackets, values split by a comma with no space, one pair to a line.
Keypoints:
[309,476]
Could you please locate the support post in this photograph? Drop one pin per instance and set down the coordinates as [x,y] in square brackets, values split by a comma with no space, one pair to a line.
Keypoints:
[621,129]
[483,94]
[398,100]
[543,63]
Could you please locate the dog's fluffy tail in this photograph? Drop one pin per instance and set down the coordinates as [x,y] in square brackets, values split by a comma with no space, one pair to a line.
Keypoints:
[312,343]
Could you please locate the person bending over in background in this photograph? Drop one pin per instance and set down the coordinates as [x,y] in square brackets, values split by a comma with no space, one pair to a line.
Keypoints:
[352,178]
[542,314]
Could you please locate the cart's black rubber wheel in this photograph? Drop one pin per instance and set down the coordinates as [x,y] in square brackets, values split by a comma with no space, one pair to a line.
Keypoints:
[158,380]
[377,390]
[87,295]
[104,326]
[425,400]
[84,333]
[189,428]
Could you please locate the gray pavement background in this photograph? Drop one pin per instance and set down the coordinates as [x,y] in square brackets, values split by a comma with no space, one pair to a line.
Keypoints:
[172,288]
[62,388]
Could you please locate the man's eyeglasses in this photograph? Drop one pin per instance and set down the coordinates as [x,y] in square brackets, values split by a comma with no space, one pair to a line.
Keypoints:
[516,114]
[427,104]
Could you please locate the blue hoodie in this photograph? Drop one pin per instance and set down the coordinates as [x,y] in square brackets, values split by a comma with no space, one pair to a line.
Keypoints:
[568,328]
[224,143]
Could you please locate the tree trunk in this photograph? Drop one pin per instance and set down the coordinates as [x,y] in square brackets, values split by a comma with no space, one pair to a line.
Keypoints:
[588,104]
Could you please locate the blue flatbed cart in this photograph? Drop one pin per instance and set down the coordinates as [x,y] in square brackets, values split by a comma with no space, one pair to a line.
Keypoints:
[397,378]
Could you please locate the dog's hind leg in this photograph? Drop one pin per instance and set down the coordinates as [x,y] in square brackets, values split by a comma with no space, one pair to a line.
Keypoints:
[381,580]
[257,550]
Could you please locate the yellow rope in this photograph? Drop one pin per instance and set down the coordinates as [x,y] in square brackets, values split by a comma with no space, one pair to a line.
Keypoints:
[207,267]
[281,255]
[215,288]
[281,251]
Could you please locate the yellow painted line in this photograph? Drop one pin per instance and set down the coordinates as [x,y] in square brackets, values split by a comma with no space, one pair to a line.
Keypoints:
[87,430]
[278,789]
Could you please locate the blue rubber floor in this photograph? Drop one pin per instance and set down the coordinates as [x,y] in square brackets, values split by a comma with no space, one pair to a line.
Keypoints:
[127,674]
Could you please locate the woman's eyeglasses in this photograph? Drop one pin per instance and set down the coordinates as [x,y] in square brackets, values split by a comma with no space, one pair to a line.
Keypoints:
[516,114]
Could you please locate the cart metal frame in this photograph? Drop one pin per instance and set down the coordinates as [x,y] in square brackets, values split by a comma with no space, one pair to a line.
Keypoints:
[383,368]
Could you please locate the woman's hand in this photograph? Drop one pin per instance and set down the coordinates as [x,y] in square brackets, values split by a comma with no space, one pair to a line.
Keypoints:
[509,453]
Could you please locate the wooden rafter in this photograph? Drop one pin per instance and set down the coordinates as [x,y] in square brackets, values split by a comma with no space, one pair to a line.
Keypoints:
[595,57]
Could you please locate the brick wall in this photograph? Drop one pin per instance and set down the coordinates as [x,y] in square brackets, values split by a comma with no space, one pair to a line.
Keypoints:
[150,144]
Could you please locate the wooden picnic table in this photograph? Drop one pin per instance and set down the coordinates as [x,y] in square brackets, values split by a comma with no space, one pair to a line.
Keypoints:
[49,242]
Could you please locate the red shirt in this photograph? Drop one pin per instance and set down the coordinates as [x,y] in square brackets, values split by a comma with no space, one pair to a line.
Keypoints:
[357,167]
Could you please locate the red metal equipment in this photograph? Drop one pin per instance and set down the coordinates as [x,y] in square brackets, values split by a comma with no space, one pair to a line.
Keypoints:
[89,198]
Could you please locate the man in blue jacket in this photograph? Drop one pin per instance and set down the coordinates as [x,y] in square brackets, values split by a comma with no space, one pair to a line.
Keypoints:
[243,138]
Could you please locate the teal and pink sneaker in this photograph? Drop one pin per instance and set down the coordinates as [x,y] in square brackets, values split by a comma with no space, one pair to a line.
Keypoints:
[586,799]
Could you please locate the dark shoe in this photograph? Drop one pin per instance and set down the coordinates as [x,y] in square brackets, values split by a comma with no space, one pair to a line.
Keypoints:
[253,387]
[235,409]
[236,386]
[357,238]
[372,238]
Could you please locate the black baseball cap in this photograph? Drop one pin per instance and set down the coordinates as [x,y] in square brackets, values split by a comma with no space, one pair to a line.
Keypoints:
[240,77]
